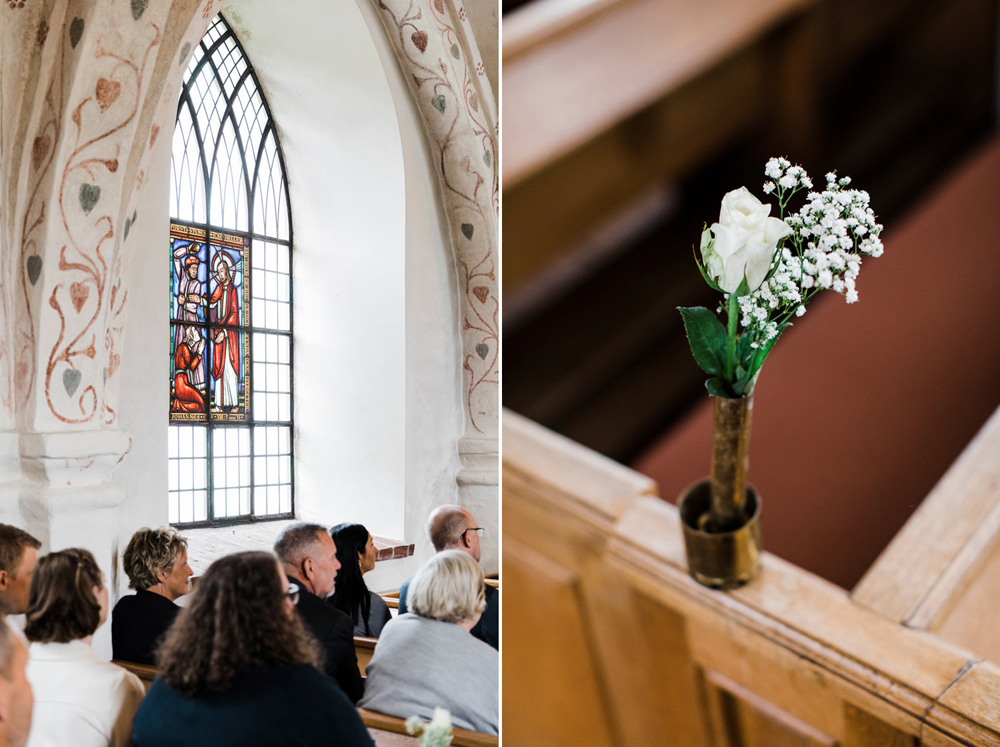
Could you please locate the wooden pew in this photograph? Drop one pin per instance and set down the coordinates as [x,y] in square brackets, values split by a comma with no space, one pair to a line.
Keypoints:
[459,738]
[608,641]
[145,672]
[364,647]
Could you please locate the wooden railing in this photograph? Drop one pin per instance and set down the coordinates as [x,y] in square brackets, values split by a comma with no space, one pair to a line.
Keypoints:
[459,737]
[608,641]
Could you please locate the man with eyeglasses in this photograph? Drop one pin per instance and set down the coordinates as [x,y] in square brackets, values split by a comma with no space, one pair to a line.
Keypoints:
[309,556]
[454,528]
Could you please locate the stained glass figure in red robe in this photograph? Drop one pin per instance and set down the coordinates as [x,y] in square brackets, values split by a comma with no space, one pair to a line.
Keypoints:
[225,308]
[187,362]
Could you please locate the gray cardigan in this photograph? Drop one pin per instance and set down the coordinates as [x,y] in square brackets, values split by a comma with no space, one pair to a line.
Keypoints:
[421,663]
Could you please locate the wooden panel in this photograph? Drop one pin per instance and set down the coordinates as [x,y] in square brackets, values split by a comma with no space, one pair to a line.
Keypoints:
[609,641]
[943,544]
[745,719]
[530,453]
[643,647]
[568,92]
[972,621]
[364,648]
[970,709]
[552,695]
[861,729]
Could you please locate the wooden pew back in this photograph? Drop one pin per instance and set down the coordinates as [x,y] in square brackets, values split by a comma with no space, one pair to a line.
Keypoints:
[459,737]
[609,641]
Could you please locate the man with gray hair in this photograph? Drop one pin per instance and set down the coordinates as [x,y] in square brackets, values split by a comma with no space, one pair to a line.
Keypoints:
[15,692]
[454,528]
[309,556]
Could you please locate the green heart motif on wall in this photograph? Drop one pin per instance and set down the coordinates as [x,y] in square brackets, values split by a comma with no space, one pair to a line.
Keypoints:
[483,350]
[75,31]
[89,195]
[439,102]
[468,229]
[138,8]
[34,268]
[71,380]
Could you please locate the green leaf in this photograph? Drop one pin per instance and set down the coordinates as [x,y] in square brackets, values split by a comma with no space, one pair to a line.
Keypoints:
[717,388]
[707,337]
[744,289]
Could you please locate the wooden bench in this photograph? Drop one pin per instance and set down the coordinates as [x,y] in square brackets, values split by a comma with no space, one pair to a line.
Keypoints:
[145,672]
[459,737]
[364,647]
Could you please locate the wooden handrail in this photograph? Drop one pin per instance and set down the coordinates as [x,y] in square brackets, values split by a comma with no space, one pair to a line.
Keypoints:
[639,644]
[459,737]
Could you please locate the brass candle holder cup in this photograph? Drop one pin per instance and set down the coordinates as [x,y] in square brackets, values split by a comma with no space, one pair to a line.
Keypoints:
[720,560]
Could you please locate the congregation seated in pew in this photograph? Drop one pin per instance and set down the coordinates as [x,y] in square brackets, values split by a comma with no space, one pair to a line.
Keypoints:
[156,564]
[356,554]
[429,658]
[309,558]
[79,698]
[239,668]
[454,528]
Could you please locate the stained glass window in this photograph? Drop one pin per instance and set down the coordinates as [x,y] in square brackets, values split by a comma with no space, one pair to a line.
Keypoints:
[230,432]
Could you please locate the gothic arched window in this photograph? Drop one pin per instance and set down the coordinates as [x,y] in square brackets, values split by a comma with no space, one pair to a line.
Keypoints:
[230,431]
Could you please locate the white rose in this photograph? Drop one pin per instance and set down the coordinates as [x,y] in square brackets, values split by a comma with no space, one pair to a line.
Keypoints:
[744,242]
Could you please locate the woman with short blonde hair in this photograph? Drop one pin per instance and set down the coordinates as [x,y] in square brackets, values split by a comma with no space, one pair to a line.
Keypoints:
[428,658]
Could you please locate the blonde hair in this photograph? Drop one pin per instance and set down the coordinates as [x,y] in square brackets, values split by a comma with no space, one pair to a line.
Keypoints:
[448,588]
[150,551]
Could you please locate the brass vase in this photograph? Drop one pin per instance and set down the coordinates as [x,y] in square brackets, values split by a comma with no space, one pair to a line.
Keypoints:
[721,516]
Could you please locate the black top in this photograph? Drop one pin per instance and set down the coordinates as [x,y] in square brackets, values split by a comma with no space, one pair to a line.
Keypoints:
[277,707]
[138,623]
[488,627]
[335,633]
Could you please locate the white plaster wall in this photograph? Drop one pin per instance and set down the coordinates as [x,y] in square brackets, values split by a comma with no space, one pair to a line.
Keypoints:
[145,390]
[378,405]
[434,416]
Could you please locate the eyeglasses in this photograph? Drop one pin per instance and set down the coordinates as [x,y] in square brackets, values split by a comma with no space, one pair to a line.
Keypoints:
[479,530]
[293,593]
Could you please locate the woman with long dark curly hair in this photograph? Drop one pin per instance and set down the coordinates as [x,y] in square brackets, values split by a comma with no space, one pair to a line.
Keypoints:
[356,553]
[238,668]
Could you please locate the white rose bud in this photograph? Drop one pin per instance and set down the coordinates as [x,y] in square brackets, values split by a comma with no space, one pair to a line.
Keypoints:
[745,240]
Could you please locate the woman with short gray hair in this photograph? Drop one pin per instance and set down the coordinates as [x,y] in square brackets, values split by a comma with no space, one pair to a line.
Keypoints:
[428,658]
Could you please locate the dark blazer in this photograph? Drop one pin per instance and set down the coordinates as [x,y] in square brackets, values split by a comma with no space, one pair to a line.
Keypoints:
[335,633]
[138,622]
[488,627]
[286,706]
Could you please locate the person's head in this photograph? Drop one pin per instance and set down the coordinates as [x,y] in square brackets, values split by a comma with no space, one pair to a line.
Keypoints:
[356,555]
[309,554]
[156,560]
[68,598]
[192,266]
[240,619]
[18,555]
[449,587]
[223,272]
[453,528]
[15,692]
[191,337]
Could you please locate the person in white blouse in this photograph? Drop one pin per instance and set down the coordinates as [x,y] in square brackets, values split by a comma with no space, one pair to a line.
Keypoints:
[80,699]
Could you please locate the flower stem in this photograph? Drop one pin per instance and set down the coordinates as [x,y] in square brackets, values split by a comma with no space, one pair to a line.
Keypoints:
[734,308]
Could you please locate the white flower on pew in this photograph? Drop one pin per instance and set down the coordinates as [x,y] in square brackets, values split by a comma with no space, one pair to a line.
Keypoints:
[434,733]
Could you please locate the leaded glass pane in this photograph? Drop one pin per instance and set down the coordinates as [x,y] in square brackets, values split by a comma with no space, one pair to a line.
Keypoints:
[230,308]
